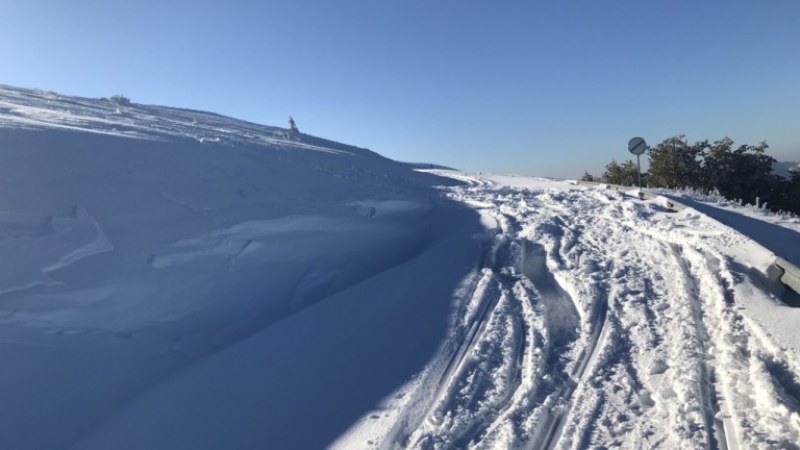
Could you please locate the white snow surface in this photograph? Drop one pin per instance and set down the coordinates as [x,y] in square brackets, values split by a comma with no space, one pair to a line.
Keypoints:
[174,279]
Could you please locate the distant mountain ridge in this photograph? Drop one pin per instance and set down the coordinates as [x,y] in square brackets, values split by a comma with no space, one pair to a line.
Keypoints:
[784,168]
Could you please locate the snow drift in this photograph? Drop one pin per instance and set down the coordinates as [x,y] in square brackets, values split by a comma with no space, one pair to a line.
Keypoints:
[144,244]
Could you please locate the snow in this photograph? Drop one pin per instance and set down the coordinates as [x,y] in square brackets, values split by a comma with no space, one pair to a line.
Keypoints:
[178,279]
[602,320]
[132,258]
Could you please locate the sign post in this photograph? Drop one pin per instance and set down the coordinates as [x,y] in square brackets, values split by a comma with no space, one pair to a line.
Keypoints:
[637,146]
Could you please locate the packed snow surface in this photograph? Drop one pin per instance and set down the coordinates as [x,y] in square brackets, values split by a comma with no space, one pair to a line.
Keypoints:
[174,279]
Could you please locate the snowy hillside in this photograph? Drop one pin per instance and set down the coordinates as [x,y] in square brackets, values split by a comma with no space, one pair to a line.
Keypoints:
[175,279]
[137,244]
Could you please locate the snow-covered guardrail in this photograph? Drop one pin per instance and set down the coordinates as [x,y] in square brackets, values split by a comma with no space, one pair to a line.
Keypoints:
[791,273]
[643,195]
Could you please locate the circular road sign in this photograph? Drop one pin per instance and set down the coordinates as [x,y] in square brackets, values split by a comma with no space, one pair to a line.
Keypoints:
[637,146]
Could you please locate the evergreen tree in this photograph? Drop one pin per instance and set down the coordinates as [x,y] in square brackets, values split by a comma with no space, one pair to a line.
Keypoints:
[744,173]
[675,164]
[624,174]
[753,172]
[718,166]
[792,196]
[786,193]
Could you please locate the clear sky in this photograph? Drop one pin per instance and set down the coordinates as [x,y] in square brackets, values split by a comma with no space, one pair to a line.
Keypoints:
[540,88]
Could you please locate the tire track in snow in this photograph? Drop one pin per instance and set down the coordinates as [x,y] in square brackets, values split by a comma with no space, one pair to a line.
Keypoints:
[554,424]
[760,389]
[512,382]
[469,377]
[558,394]
[598,246]
[466,379]
[489,290]
[643,370]
[564,383]
[482,299]
[561,320]
[716,437]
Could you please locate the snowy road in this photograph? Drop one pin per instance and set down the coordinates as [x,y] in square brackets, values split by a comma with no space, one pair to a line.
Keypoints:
[597,320]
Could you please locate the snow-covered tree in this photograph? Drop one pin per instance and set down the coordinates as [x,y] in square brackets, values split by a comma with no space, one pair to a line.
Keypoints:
[120,100]
[676,164]
[293,126]
[744,173]
[624,174]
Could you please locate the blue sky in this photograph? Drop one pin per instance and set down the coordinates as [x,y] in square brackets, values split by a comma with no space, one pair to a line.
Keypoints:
[540,88]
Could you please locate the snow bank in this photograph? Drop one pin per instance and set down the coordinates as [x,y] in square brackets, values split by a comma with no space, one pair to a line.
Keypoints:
[154,255]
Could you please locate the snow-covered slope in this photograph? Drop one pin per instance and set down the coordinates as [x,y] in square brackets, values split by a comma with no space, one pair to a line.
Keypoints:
[137,243]
[175,279]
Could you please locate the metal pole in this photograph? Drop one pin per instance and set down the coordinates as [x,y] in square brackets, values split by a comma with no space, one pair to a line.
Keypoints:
[639,171]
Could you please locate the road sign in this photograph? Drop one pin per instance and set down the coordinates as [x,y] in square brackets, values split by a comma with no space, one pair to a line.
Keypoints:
[637,146]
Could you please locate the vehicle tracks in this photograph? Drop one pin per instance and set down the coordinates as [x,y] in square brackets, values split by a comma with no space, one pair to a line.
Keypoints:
[596,321]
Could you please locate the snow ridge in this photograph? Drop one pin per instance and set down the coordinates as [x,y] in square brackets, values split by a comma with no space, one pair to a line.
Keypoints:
[33,109]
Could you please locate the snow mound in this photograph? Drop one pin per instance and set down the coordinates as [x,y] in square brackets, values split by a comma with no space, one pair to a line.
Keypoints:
[140,241]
